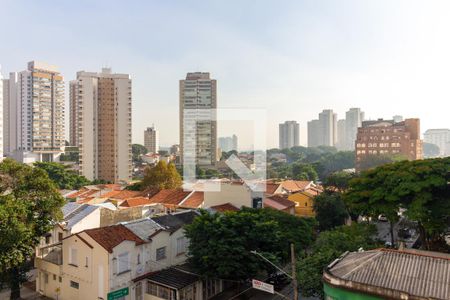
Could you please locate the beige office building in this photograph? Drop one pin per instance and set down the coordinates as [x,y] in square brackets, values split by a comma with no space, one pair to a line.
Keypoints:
[198,98]
[101,124]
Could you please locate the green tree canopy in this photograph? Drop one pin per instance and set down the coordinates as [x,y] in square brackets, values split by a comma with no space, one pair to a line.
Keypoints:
[375,160]
[430,150]
[161,176]
[137,150]
[330,210]
[329,246]
[64,177]
[29,203]
[338,181]
[302,171]
[421,187]
[220,244]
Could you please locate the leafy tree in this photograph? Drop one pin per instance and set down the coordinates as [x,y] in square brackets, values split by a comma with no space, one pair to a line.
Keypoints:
[137,150]
[64,177]
[374,160]
[430,150]
[220,244]
[161,176]
[338,181]
[330,210]
[333,162]
[421,186]
[29,203]
[329,246]
[302,171]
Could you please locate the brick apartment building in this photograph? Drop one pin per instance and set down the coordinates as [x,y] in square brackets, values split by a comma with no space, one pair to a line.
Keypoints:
[388,137]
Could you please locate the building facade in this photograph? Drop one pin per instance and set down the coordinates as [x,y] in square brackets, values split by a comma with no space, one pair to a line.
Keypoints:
[101,124]
[323,131]
[35,113]
[440,138]
[353,120]
[313,133]
[385,137]
[228,143]
[151,139]
[1,116]
[289,135]
[198,104]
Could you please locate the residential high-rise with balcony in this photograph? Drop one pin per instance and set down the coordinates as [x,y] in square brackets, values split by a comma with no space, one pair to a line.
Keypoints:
[101,124]
[151,139]
[198,125]
[289,135]
[35,113]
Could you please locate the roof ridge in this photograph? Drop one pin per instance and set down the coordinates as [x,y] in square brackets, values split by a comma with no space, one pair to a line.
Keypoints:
[365,262]
[415,253]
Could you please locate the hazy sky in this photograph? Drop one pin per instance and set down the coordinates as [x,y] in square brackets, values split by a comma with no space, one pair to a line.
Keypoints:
[293,58]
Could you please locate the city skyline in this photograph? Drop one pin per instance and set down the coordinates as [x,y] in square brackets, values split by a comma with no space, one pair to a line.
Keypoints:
[352,54]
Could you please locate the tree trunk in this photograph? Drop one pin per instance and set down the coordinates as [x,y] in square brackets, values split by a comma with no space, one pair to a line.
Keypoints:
[15,284]
[391,229]
[423,237]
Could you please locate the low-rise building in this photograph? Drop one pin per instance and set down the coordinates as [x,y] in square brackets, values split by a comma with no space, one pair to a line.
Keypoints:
[304,201]
[388,274]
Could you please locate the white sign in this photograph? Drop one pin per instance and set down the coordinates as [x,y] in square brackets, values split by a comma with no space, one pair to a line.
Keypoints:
[260,285]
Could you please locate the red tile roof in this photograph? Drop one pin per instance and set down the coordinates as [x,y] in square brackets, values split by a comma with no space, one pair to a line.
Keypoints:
[225,207]
[194,200]
[125,194]
[278,202]
[271,187]
[170,196]
[295,185]
[110,236]
[138,201]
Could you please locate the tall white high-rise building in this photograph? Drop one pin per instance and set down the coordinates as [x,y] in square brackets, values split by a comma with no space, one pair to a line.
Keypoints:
[102,124]
[198,99]
[289,134]
[341,135]
[353,120]
[328,127]
[35,114]
[440,138]
[151,139]
[10,135]
[228,143]
[314,135]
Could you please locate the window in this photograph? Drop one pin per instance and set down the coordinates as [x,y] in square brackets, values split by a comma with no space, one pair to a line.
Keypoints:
[123,263]
[60,236]
[45,278]
[181,245]
[54,277]
[161,253]
[86,265]
[60,279]
[139,259]
[73,257]
[74,285]
[47,239]
[138,291]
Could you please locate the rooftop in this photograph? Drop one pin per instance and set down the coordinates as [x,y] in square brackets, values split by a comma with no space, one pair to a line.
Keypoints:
[143,228]
[173,277]
[110,236]
[391,273]
[278,202]
[175,221]
[224,207]
[76,214]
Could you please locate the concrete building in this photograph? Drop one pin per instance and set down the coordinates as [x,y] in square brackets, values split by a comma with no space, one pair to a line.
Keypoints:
[228,143]
[101,124]
[10,114]
[397,118]
[151,139]
[323,131]
[341,135]
[440,138]
[198,101]
[289,135]
[353,120]
[35,111]
[387,137]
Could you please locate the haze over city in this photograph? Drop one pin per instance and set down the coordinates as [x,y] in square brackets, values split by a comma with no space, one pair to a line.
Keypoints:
[293,58]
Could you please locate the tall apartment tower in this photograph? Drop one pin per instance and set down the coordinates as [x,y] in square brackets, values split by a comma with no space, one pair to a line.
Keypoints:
[353,120]
[35,113]
[341,135]
[228,143]
[387,137]
[440,138]
[151,139]
[289,135]
[198,104]
[314,137]
[101,124]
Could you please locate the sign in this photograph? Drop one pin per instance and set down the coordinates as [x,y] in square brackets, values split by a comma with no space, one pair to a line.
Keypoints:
[118,294]
[260,285]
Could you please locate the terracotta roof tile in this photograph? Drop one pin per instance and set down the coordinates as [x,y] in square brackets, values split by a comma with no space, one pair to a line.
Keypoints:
[125,194]
[278,202]
[170,196]
[225,207]
[138,201]
[295,185]
[110,236]
[194,200]
[271,187]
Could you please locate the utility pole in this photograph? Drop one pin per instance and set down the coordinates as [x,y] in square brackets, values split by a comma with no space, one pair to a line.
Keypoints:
[294,271]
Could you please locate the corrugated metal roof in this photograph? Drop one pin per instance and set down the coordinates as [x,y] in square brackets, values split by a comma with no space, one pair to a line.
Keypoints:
[173,277]
[143,228]
[79,214]
[417,273]
[69,207]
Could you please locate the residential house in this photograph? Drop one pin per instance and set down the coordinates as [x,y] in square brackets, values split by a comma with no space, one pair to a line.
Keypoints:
[304,202]
[280,202]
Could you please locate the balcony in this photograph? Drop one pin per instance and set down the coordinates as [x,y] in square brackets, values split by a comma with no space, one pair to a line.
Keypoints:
[49,258]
